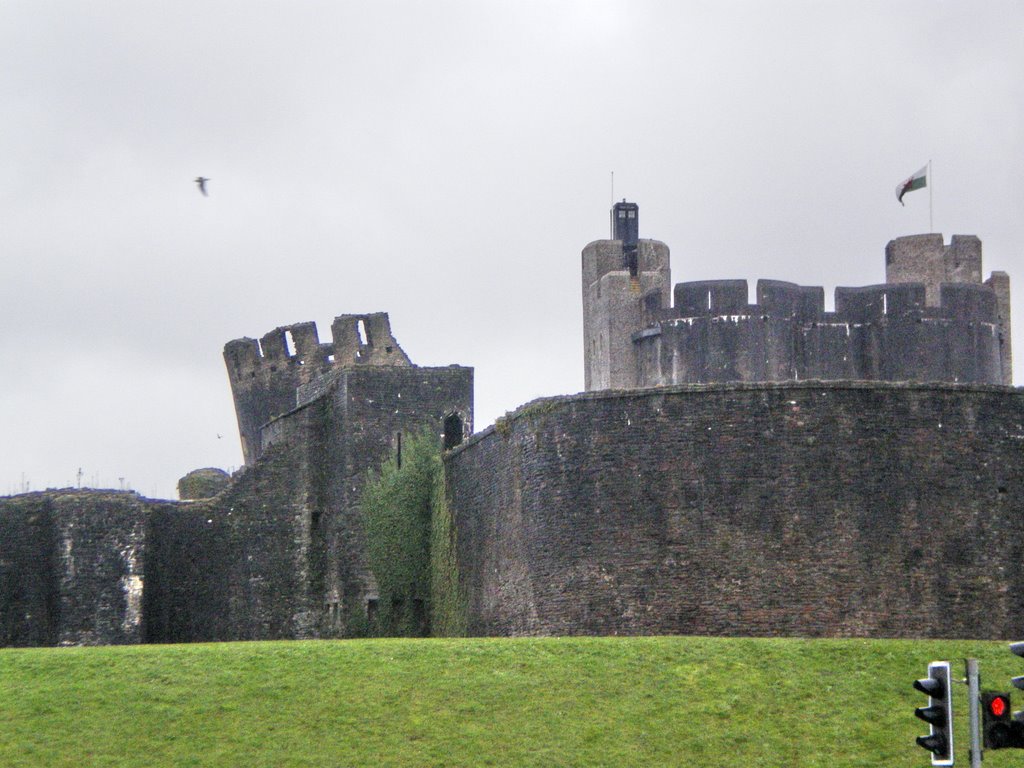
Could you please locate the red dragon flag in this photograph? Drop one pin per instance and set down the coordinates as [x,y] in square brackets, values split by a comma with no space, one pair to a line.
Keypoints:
[917,181]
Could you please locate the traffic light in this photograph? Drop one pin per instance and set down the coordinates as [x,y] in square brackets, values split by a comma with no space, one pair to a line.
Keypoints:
[996,723]
[938,714]
[1017,682]
[1017,722]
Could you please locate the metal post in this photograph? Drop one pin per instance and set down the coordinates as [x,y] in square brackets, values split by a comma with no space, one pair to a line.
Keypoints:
[931,220]
[973,695]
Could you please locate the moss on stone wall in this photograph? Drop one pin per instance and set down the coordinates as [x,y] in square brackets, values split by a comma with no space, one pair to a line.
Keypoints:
[396,512]
[203,483]
[411,544]
[447,606]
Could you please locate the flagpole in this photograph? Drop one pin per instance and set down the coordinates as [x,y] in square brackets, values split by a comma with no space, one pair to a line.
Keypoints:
[611,216]
[931,221]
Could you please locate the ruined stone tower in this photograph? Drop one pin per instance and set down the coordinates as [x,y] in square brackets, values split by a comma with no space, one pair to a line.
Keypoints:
[272,376]
[765,469]
[314,420]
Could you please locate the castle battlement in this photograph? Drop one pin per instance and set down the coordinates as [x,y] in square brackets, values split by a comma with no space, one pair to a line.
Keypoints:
[697,488]
[878,332]
[927,259]
[934,319]
[356,340]
[269,375]
[967,302]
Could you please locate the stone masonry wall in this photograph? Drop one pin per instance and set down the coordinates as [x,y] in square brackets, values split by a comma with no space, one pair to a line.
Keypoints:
[280,553]
[29,577]
[934,319]
[813,509]
[613,301]
[267,374]
[877,333]
[102,567]
[373,411]
[235,567]
[71,568]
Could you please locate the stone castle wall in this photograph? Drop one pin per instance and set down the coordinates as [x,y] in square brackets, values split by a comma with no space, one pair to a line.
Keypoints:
[820,508]
[933,320]
[876,333]
[817,509]
[279,554]
[235,567]
[268,377]
[72,567]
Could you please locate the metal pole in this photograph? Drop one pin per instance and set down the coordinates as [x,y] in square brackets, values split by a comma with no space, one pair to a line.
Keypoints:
[611,213]
[973,695]
[931,220]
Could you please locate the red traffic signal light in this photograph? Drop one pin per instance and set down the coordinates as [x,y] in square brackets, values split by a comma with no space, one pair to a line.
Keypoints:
[998,705]
[998,728]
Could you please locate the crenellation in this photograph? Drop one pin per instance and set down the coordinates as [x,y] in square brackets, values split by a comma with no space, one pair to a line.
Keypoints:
[273,346]
[863,304]
[750,469]
[963,259]
[308,351]
[972,303]
[777,297]
[242,356]
[366,340]
[710,297]
[999,282]
[907,298]
[272,376]
[920,325]
[882,332]
[875,334]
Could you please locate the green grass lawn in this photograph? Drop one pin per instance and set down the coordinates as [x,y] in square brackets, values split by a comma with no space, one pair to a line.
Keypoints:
[484,702]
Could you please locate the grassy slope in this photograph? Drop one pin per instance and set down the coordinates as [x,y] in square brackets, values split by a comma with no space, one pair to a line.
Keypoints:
[543,702]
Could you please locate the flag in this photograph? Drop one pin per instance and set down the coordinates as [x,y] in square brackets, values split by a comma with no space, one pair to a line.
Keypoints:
[918,180]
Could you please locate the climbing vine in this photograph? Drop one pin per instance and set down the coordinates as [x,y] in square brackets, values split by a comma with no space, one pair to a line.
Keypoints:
[410,543]
[448,609]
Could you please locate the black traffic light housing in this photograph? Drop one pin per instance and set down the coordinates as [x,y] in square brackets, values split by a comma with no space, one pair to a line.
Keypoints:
[938,714]
[996,723]
[1017,721]
[1017,682]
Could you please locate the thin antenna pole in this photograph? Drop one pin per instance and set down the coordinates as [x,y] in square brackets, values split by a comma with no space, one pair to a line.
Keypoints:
[931,220]
[611,215]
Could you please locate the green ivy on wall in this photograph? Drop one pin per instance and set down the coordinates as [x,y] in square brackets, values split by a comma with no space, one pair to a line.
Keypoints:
[411,544]
[448,608]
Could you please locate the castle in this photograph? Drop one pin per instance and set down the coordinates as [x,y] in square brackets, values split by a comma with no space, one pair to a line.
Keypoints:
[933,319]
[734,468]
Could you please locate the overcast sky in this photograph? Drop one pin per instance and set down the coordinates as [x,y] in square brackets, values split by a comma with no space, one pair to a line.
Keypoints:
[446,162]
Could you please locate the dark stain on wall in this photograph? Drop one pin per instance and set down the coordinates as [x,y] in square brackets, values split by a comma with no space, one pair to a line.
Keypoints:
[29,583]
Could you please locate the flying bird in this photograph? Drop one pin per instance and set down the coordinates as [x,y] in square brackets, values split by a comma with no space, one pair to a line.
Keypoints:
[201,181]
